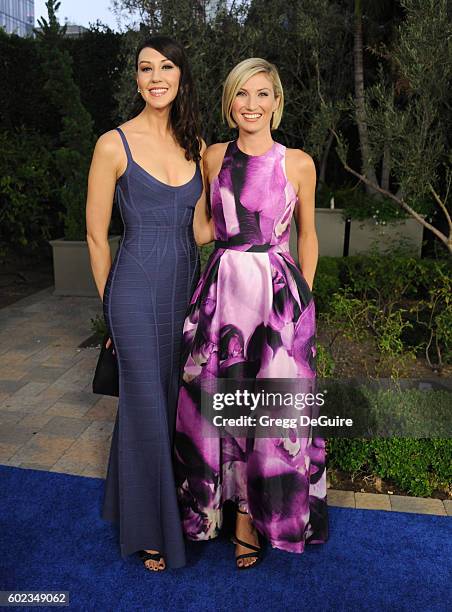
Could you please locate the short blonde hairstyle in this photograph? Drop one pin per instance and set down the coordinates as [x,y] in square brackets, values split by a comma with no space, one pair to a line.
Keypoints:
[239,75]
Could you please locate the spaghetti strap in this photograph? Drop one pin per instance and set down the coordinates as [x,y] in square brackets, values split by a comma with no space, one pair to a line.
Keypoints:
[126,144]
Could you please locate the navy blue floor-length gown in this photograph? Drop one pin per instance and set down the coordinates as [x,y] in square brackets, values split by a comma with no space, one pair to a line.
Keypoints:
[148,288]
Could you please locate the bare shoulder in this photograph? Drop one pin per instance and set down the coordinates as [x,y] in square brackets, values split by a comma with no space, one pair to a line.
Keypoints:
[213,158]
[108,145]
[217,150]
[300,161]
[109,155]
[300,169]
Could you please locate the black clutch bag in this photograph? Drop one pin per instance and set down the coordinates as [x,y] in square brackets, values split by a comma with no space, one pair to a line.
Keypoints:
[106,376]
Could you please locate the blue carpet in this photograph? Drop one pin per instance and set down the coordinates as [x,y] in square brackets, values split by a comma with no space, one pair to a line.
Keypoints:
[52,538]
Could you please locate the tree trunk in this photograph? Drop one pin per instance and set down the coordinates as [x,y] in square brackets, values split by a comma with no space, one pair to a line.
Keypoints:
[324,160]
[359,97]
[386,167]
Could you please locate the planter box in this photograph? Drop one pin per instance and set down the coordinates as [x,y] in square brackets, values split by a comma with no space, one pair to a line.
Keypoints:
[72,267]
[330,232]
[366,234]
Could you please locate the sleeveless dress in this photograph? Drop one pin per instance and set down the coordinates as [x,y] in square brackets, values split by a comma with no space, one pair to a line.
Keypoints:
[147,292]
[252,316]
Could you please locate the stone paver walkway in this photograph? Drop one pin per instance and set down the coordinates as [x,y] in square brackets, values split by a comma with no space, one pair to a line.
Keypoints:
[51,420]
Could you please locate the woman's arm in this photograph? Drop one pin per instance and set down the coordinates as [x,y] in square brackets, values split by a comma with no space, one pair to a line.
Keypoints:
[202,221]
[99,204]
[303,170]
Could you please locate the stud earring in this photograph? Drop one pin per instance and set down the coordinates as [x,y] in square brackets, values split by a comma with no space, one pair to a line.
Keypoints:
[139,90]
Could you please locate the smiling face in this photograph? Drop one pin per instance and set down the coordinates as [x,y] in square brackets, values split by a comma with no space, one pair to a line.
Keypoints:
[157,78]
[255,103]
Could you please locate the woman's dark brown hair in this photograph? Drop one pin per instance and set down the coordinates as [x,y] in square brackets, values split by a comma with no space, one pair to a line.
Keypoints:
[184,110]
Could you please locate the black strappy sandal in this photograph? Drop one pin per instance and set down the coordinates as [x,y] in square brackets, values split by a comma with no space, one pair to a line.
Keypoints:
[257,554]
[146,556]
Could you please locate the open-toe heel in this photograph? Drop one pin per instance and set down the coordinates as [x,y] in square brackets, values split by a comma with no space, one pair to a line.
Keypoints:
[257,551]
[147,556]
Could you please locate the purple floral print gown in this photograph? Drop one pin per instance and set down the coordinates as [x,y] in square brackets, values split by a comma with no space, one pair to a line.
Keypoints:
[252,315]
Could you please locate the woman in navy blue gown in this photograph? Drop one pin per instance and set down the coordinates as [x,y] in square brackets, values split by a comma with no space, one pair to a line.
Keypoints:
[151,166]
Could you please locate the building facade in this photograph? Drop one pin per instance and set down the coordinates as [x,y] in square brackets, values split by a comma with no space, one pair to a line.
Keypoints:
[17,16]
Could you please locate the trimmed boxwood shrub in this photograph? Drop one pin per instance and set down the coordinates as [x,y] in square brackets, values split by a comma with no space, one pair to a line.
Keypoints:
[417,466]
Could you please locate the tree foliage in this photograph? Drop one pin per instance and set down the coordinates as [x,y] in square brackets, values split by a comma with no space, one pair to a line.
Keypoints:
[406,59]
[408,113]
[76,135]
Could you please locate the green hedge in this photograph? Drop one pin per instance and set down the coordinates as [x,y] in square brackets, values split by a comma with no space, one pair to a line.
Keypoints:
[30,209]
[403,302]
[378,276]
[416,466]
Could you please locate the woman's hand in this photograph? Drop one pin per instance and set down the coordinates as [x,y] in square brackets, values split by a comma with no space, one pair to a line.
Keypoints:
[107,344]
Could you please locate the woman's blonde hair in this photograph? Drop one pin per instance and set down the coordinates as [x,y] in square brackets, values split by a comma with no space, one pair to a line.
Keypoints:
[239,75]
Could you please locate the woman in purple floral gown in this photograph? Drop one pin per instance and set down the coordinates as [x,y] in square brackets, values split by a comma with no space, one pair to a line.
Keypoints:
[252,316]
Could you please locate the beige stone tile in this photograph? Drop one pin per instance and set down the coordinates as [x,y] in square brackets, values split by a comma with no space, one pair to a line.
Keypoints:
[373,501]
[69,386]
[67,409]
[45,373]
[29,391]
[40,356]
[68,467]
[64,358]
[36,421]
[400,503]
[104,410]
[98,430]
[7,450]
[62,385]
[31,344]
[12,372]
[29,405]
[343,499]
[4,395]
[16,407]
[13,433]
[65,427]
[12,358]
[88,452]
[35,466]
[13,461]
[72,375]
[80,397]
[11,386]
[42,449]
[448,506]
[55,356]
[11,417]
[99,472]
[51,394]
[14,403]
